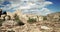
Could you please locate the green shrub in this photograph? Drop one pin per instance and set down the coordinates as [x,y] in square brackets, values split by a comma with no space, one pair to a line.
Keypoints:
[31,20]
[44,18]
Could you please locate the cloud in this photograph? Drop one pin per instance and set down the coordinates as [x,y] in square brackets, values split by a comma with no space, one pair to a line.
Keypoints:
[42,11]
[28,6]
[45,11]
[34,6]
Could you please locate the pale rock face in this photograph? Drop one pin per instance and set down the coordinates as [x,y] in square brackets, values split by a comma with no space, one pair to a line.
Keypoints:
[33,28]
[56,16]
[36,30]
[6,18]
[40,18]
[10,14]
[10,23]
[24,17]
[44,27]
[2,16]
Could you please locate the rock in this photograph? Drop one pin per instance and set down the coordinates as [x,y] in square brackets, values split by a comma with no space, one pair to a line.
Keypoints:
[45,27]
[9,23]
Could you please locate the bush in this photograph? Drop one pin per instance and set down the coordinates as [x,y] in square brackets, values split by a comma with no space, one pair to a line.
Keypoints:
[31,20]
[44,18]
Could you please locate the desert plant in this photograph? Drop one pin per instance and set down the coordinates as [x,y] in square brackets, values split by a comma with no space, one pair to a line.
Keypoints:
[31,20]
[44,18]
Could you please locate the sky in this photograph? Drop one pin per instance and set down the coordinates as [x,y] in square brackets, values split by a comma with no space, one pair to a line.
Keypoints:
[55,6]
[38,7]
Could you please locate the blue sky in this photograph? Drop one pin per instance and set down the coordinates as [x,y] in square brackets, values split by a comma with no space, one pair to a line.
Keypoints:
[40,7]
[55,6]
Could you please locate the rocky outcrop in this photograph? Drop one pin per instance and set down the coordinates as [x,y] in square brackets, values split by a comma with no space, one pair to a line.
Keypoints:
[49,23]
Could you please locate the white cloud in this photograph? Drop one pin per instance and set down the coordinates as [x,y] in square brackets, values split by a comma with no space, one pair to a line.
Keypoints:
[45,11]
[29,5]
[47,3]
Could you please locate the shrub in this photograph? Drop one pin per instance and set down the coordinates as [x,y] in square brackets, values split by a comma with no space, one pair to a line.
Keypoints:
[44,18]
[31,20]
